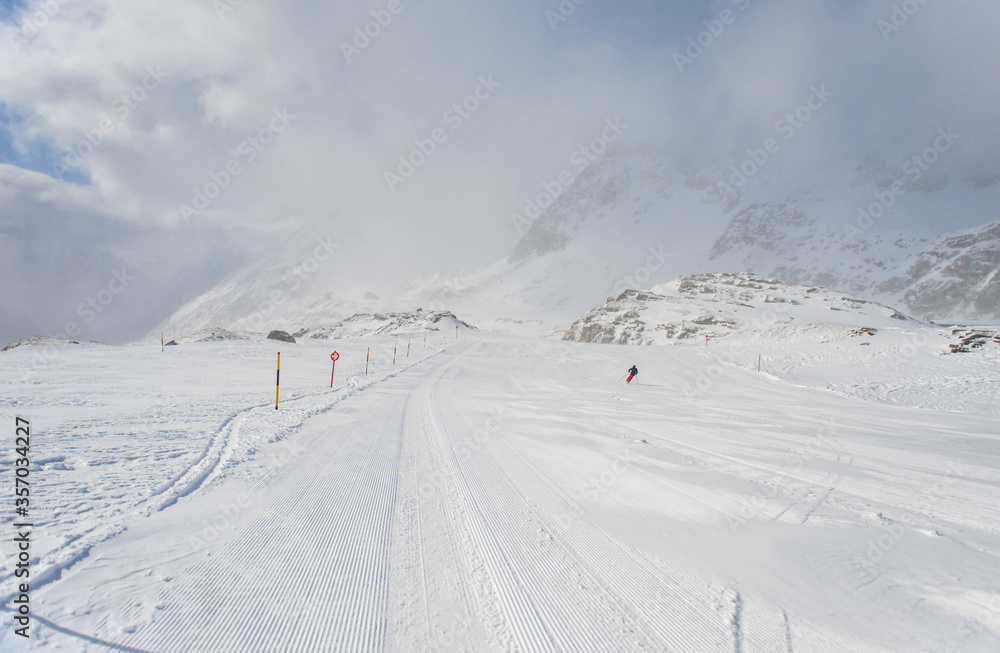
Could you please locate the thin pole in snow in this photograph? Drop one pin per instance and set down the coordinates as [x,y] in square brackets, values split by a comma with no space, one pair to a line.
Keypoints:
[277,382]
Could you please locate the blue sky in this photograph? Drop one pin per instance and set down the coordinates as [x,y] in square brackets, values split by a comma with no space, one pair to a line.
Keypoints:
[40,156]
[7,7]
[36,154]
[633,25]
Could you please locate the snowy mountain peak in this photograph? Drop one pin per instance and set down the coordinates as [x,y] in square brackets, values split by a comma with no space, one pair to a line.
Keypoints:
[766,226]
[954,277]
[622,189]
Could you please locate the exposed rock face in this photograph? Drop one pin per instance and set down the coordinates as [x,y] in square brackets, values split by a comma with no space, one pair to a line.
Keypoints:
[973,339]
[956,277]
[960,271]
[281,336]
[615,323]
[592,197]
[766,226]
[544,236]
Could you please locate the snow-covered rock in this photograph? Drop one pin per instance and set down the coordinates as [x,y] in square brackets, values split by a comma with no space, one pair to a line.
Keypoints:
[46,342]
[212,334]
[717,305]
[370,324]
[970,340]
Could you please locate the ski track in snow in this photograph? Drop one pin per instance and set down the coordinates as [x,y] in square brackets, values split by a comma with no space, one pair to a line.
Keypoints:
[326,569]
[468,504]
[207,466]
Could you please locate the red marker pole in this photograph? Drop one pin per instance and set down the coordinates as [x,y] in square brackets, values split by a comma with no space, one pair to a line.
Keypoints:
[456,332]
[334,356]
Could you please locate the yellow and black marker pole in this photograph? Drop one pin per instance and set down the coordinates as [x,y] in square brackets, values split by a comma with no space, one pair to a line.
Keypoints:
[367,358]
[277,382]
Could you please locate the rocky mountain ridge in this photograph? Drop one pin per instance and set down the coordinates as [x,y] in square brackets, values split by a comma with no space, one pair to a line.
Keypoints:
[694,308]
[955,277]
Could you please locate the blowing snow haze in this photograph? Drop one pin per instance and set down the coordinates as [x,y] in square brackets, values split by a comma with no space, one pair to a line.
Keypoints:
[523,160]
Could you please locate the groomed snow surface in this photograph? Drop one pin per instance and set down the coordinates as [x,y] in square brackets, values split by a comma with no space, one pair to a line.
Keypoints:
[495,493]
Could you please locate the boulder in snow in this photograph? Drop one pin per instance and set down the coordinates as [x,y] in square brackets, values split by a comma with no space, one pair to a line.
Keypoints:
[283,336]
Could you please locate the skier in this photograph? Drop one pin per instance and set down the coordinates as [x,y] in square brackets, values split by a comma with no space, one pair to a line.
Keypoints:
[632,373]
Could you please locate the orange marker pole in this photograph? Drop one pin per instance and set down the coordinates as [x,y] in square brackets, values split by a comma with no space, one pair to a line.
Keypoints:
[277,382]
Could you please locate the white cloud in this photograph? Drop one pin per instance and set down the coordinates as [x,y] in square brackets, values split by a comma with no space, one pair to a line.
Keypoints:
[226,77]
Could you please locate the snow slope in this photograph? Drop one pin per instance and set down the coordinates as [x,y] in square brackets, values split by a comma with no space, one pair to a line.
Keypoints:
[312,265]
[509,494]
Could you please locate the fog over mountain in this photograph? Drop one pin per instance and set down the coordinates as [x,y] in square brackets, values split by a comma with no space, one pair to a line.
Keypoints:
[633,219]
[178,142]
